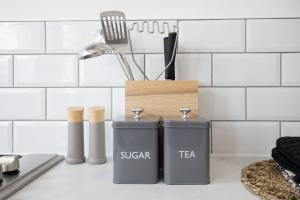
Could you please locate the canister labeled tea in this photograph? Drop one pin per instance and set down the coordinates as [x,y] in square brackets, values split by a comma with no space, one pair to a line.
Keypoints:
[75,153]
[186,150]
[135,150]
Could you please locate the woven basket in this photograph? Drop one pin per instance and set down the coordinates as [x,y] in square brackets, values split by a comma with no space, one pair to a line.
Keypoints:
[265,179]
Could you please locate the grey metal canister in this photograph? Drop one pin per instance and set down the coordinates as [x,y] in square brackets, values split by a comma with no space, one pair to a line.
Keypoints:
[75,153]
[96,136]
[135,150]
[186,150]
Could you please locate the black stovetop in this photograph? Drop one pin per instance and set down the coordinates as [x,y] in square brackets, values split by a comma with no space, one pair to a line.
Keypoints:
[31,167]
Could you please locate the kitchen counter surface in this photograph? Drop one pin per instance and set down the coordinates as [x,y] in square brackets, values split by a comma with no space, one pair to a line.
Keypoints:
[95,182]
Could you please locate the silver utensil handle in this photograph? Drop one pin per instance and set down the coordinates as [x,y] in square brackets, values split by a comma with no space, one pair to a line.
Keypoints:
[127,66]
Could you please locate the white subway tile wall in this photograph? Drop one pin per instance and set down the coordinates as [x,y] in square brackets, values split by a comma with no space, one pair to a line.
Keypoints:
[118,102]
[22,37]
[291,69]
[248,138]
[6,71]
[222,103]
[46,70]
[212,36]
[247,69]
[59,99]
[273,103]
[273,35]
[25,103]
[6,137]
[194,67]
[290,129]
[49,137]
[70,36]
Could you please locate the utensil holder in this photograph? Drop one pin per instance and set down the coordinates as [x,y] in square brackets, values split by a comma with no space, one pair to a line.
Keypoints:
[161,98]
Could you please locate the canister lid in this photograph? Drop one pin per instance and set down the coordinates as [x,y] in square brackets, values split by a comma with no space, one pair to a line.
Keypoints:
[191,122]
[130,122]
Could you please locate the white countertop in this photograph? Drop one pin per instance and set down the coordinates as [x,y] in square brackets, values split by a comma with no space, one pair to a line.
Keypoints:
[95,182]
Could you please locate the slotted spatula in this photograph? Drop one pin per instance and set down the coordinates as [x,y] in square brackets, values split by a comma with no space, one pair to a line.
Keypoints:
[114,27]
[115,33]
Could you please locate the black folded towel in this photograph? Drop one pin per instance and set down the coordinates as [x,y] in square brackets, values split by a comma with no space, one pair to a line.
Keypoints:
[287,155]
[290,147]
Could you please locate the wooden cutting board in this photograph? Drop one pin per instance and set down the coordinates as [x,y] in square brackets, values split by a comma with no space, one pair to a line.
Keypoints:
[161,98]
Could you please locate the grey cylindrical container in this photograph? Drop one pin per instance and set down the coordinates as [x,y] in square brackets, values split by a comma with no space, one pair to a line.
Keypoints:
[75,153]
[186,151]
[97,136]
[135,153]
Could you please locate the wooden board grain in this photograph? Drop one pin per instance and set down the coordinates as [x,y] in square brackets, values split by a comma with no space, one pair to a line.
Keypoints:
[161,98]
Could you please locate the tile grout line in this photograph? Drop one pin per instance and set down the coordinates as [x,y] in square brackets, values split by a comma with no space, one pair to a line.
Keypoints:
[212,70]
[179,52]
[12,136]
[144,65]
[245,35]
[246,103]
[280,69]
[13,71]
[228,52]
[45,35]
[111,103]
[280,134]
[103,87]
[213,120]
[211,135]
[43,120]
[160,19]
[178,34]
[257,120]
[78,72]
[46,103]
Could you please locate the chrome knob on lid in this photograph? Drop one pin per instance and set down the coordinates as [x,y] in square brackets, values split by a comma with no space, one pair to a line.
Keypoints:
[185,112]
[137,113]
